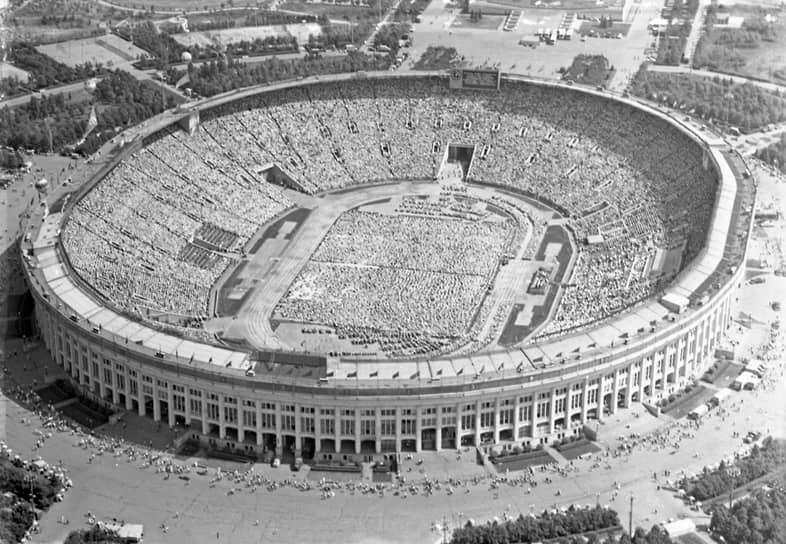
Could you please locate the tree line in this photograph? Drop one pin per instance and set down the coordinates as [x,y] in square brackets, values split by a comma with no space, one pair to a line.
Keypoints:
[52,123]
[227,74]
[44,71]
[21,492]
[775,154]
[548,525]
[720,100]
[713,483]
[757,519]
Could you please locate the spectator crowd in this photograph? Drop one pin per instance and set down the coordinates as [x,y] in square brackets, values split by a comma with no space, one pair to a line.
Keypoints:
[631,186]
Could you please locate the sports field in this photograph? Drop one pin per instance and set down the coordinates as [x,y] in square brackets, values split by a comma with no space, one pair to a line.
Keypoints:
[109,50]
[233,35]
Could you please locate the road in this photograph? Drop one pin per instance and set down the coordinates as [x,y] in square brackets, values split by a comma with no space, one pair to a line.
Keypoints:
[25,98]
[696,30]
[628,56]
[370,40]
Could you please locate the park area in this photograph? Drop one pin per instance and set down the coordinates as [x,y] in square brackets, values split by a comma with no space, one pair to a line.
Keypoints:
[744,40]
[300,31]
[110,51]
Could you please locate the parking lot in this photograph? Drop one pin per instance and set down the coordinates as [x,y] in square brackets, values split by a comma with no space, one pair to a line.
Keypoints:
[498,48]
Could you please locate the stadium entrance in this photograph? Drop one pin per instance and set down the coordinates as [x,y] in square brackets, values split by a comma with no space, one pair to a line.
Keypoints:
[458,161]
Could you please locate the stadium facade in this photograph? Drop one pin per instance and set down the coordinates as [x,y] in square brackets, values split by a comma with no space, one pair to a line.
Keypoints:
[346,409]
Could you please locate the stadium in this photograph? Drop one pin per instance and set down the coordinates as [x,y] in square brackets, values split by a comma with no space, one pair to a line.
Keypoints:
[345,267]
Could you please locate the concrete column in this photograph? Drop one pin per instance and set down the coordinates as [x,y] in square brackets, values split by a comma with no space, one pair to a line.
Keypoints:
[258,410]
[552,410]
[317,431]
[337,423]
[222,423]
[115,394]
[629,387]
[279,438]
[129,400]
[378,430]
[418,430]
[171,404]
[156,404]
[516,418]
[615,391]
[141,402]
[497,420]
[477,423]
[100,378]
[187,395]
[653,376]
[357,432]
[585,400]
[205,424]
[438,432]
[298,439]
[398,429]
[458,426]
[641,380]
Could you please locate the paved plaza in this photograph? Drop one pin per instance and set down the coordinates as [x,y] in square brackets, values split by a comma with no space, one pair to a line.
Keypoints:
[495,47]
[199,510]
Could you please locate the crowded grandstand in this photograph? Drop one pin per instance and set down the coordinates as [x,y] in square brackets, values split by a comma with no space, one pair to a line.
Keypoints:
[157,233]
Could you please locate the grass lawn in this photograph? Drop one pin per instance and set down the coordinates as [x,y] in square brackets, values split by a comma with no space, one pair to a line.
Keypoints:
[683,405]
[437,58]
[576,449]
[762,58]
[588,27]
[690,538]
[523,460]
[487,22]
[589,70]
